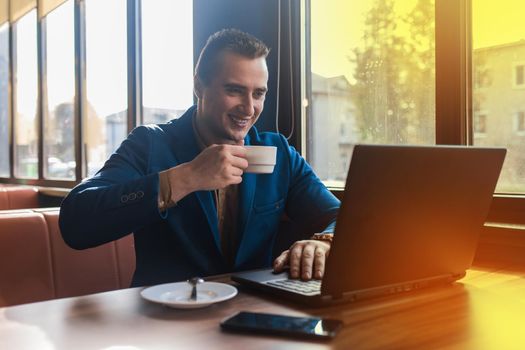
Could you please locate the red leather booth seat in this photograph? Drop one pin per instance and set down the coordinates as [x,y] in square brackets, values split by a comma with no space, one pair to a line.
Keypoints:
[36,264]
[18,197]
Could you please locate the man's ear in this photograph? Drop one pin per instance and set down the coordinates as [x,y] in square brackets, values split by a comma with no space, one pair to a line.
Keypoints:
[197,87]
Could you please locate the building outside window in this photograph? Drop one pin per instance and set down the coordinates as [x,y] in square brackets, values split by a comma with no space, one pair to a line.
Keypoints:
[498,43]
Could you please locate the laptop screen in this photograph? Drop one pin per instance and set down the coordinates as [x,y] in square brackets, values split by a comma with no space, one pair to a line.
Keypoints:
[410,213]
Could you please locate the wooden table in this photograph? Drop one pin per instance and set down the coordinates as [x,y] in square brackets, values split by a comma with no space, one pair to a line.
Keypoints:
[485,310]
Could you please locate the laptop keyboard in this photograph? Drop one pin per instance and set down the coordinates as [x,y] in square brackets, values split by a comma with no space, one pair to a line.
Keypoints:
[310,287]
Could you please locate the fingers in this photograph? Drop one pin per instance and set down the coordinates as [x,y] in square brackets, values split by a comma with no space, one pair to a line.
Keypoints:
[236,150]
[319,262]
[296,253]
[233,156]
[239,162]
[281,261]
[219,166]
[307,259]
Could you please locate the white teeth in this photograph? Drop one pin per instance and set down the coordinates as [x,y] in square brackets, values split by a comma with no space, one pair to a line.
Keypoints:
[239,121]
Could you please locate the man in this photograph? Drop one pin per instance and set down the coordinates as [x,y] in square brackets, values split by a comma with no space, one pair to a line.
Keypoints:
[180,187]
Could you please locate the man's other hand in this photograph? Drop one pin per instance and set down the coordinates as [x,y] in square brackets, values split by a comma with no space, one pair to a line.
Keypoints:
[305,258]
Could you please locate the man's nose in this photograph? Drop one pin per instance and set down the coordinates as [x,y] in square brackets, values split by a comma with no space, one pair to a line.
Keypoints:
[248,107]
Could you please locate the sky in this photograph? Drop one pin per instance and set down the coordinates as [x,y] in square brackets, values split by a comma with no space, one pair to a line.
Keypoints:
[337,26]
[497,22]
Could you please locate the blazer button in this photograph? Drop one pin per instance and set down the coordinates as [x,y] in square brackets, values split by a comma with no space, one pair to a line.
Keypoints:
[132,196]
[124,198]
[140,194]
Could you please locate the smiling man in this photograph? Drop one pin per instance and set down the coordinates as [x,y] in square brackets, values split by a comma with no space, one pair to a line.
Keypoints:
[181,188]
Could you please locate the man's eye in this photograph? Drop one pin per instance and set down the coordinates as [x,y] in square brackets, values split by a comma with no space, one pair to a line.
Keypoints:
[259,94]
[233,90]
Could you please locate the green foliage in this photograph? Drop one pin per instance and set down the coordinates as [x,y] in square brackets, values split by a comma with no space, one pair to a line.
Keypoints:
[394,91]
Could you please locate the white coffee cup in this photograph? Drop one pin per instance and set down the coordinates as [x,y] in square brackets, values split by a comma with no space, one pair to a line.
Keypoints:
[261,159]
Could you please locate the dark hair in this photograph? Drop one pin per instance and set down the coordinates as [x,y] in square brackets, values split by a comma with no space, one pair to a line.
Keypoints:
[232,40]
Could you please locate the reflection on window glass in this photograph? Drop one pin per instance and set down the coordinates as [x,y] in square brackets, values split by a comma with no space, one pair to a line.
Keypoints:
[26,90]
[4,100]
[167,59]
[372,79]
[59,150]
[106,78]
[498,59]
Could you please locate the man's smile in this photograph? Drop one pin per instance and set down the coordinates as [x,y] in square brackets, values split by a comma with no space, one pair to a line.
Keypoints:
[240,122]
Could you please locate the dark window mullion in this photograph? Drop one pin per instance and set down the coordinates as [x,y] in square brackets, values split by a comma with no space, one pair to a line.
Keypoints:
[12,99]
[80,87]
[134,60]
[453,72]
[308,78]
[42,91]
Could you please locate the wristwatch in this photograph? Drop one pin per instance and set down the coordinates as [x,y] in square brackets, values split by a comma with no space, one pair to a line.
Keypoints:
[325,237]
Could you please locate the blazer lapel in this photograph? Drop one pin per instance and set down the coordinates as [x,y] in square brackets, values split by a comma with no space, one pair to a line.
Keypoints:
[186,149]
[208,206]
[245,205]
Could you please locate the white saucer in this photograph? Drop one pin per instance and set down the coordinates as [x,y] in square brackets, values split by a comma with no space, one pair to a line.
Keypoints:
[177,294]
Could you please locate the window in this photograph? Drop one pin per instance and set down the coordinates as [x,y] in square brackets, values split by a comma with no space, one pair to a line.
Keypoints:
[520,123]
[26,97]
[480,125]
[482,75]
[380,65]
[4,101]
[59,150]
[519,79]
[167,59]
[105,124]
[497,33]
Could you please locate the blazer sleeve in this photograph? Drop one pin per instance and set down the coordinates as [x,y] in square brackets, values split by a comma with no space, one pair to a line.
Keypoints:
[309,202]
[118,200]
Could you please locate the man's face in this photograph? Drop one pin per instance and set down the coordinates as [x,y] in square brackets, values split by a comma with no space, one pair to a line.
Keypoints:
[233,100]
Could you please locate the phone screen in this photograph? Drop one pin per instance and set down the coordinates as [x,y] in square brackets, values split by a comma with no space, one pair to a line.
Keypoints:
[309,327]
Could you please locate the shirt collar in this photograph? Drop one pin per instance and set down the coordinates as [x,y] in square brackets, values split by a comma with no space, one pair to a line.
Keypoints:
[200,141]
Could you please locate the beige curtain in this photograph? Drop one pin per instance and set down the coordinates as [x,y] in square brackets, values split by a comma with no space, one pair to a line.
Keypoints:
[19,8]
[4,11]
[46,6]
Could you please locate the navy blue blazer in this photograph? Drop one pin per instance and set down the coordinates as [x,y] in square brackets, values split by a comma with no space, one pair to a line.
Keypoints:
[122,198]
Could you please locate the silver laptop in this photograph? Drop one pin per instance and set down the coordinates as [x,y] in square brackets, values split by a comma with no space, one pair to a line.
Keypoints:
[410,218]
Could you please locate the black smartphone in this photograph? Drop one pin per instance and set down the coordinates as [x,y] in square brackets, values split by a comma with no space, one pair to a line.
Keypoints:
[302,327]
